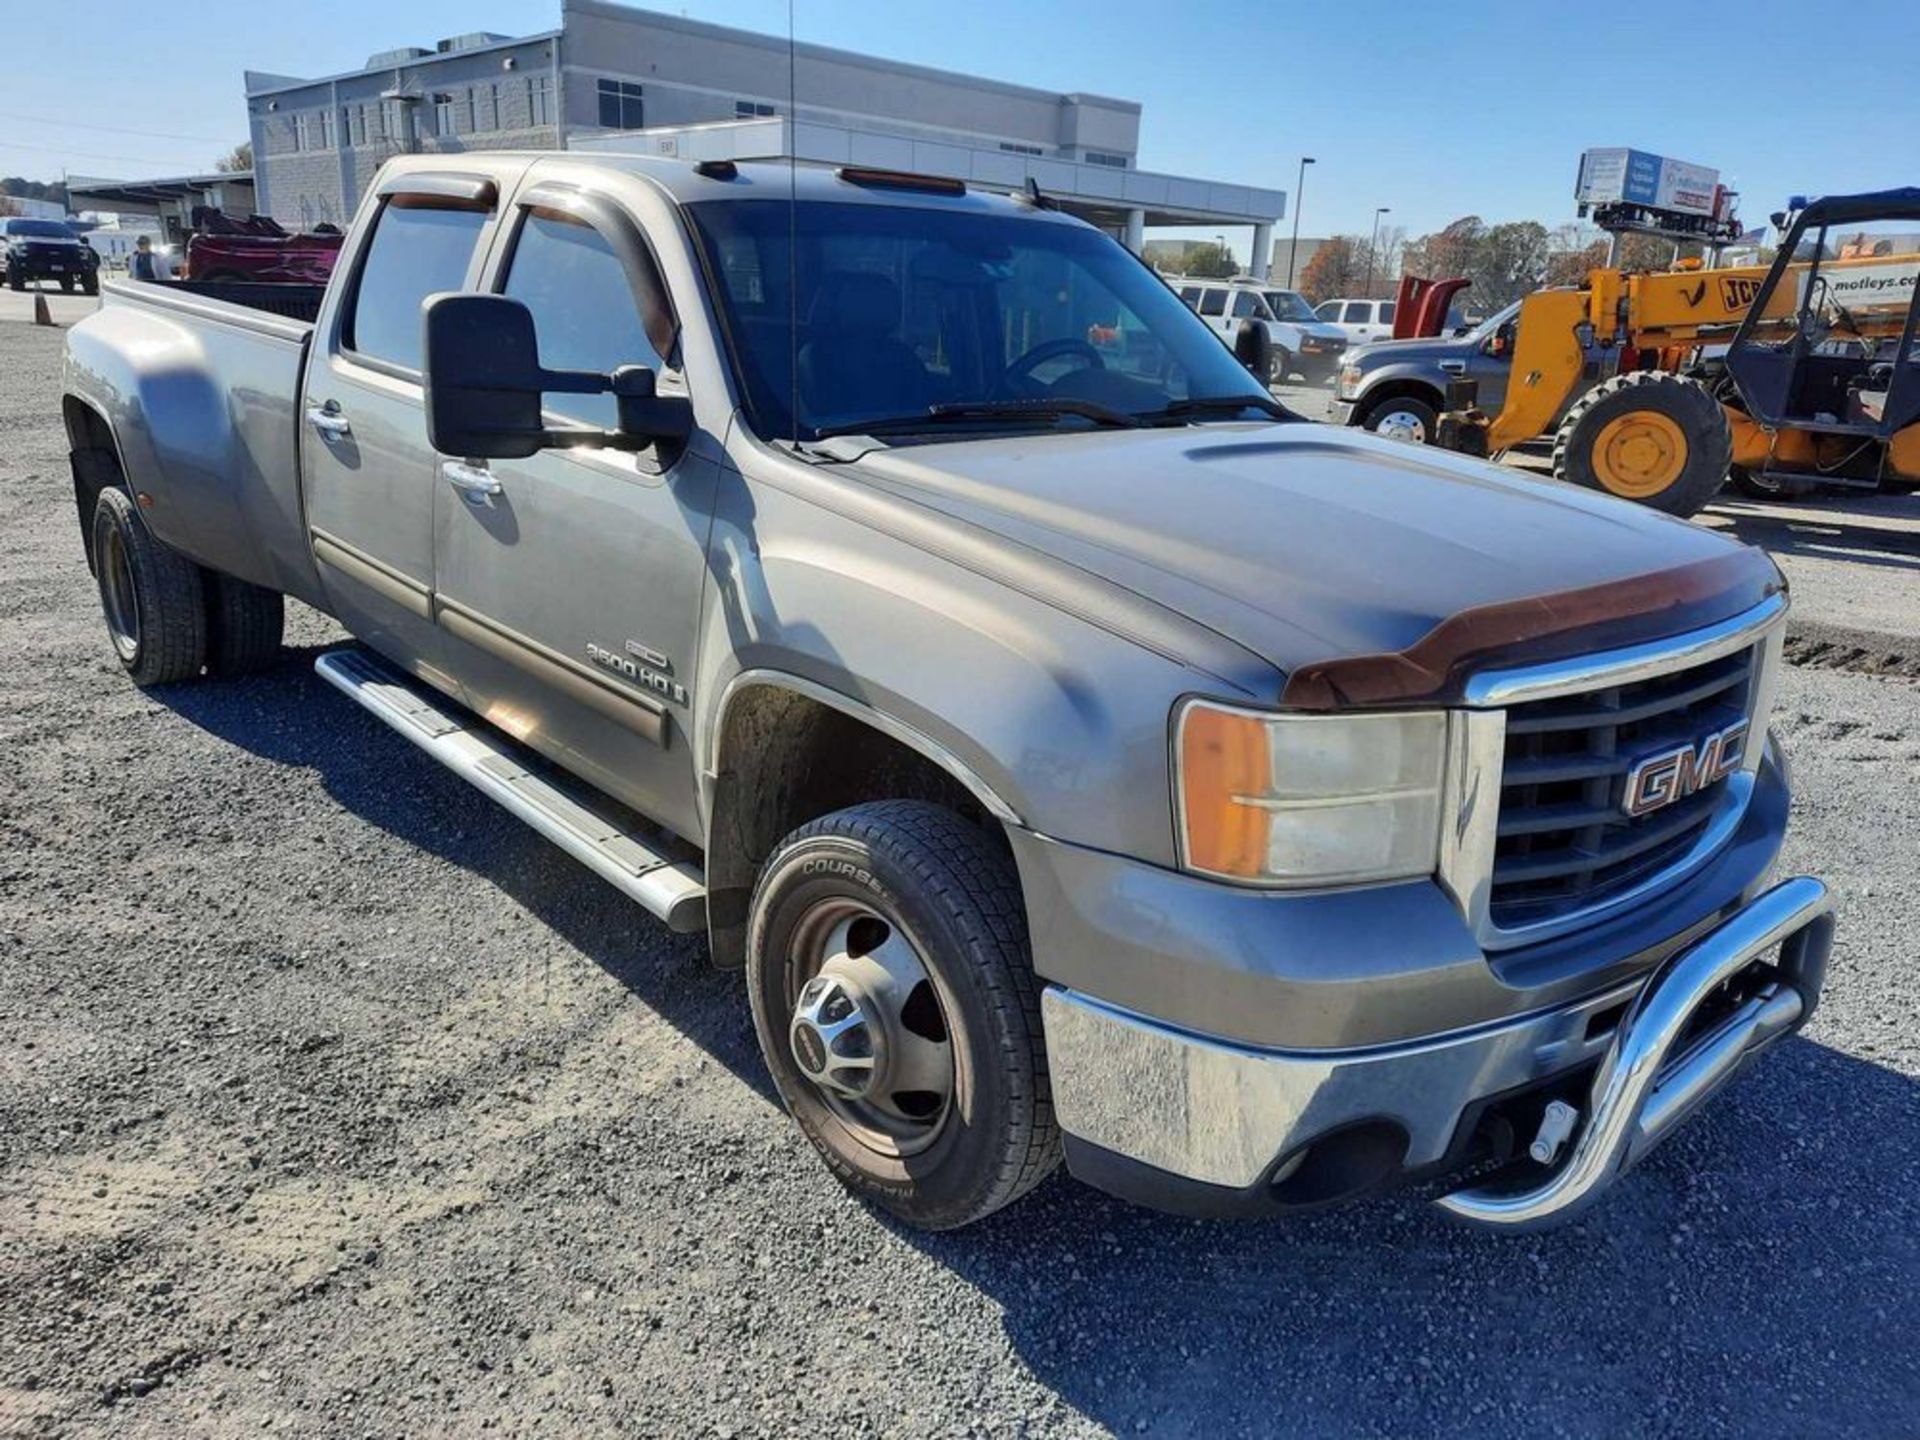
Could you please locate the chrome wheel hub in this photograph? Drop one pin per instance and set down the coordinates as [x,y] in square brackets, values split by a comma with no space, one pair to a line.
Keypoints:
[869,1029]
[1402,425]
[120,596]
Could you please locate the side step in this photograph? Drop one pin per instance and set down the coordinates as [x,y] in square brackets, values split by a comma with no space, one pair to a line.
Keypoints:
[566,813]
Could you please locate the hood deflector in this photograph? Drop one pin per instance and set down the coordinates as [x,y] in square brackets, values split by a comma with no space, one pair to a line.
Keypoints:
[1560,625]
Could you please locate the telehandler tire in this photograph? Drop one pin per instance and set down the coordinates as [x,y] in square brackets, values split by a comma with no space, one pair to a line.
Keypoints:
[1652,437]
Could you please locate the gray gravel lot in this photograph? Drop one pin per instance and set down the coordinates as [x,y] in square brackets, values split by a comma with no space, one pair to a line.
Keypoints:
[332,1101]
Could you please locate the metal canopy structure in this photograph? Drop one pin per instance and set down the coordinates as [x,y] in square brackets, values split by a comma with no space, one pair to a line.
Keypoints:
[170,199]
[1123,201]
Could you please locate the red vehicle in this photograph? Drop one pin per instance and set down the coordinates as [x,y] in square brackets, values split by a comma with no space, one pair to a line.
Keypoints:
[258,249]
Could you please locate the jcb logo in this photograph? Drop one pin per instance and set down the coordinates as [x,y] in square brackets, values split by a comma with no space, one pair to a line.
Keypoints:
[1659,780]
[1738,292]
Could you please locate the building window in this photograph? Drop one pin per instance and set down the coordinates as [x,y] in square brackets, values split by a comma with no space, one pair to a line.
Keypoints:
[540,99]
[376,119]
[620,105]
[356,124]
[1107,158]
[449,109]
[1019,149]
[325,128]
[751,109]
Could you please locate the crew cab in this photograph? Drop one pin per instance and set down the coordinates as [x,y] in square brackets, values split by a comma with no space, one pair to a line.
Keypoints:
[33,250]
[1080,754]
[1301,344]
[1398,388]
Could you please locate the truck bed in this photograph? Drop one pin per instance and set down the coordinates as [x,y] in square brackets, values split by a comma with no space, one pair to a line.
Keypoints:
[201,385]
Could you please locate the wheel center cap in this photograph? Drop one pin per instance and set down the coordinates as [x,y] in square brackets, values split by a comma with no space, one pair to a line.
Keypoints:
[834,1037]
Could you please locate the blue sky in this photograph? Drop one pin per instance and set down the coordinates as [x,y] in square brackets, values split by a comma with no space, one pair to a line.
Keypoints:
[1481,108]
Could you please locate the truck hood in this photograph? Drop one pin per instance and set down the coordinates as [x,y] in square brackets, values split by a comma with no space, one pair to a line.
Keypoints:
[1310,545]
[1400,352]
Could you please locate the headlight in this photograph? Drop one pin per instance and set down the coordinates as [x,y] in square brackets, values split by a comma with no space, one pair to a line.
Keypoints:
[1309,800]
[1349,381]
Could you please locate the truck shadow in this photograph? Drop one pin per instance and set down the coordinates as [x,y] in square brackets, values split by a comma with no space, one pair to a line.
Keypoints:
[288,715]
[1760,1274]
[1748,1279]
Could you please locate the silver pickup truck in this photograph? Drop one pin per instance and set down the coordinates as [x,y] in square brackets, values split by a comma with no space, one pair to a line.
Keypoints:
[1079,753]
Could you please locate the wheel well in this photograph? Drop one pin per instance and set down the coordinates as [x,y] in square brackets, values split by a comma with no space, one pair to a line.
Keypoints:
[1401,390]
[94,460]
[785,758]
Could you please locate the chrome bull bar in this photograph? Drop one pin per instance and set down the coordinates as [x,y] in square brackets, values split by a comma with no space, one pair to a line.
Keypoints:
[1648,1081]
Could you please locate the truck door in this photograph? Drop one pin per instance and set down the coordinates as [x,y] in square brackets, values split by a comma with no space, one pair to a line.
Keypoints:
[569,583]
[369,478]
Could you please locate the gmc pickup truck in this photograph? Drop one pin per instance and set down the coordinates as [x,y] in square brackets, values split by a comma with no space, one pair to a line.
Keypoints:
[1080,754]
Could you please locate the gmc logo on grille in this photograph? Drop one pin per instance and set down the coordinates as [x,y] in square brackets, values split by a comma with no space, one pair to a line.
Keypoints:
[1659,780]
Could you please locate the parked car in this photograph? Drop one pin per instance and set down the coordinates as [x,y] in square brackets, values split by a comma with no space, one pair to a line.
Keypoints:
[1301,344]
[1398,388]
[1361,321]
[1079,753]
[33,250]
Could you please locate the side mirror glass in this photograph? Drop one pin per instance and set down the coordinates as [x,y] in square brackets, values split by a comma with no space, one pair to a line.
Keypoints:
[484,385]
[1253,347]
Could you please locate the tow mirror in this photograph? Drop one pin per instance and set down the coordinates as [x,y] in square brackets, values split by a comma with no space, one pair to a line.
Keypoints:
[1253,347]
[484,384]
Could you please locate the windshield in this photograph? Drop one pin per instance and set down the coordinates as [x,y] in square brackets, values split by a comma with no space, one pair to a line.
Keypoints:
[39,229]
[906,310]
[1494,321]
[1289,305]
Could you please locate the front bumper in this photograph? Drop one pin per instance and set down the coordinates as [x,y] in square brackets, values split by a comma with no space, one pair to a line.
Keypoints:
[1191,1122]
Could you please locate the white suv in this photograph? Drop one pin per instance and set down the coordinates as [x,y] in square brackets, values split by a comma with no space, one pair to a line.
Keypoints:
[1361,321]
[1302,345]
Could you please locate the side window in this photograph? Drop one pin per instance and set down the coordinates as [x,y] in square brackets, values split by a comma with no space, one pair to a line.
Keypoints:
[416,251]
[1359,312]
[1213,302]
[1244,306]
[1329,311]
[1190,294]
[585,314]
[1386,312]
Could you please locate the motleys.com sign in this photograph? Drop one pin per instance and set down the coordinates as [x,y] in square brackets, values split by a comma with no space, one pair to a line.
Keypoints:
[1871,285]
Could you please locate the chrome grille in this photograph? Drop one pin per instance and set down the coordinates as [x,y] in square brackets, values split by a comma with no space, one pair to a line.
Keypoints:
[1563,843]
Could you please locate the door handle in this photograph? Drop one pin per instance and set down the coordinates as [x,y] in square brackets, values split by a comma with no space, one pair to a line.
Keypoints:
[474,482]
[328,420]
[1454,367]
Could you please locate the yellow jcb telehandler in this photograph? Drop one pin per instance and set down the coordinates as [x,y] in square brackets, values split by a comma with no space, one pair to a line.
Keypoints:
[1785,377]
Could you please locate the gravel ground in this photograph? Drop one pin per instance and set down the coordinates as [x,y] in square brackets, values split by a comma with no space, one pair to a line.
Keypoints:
[332,1101]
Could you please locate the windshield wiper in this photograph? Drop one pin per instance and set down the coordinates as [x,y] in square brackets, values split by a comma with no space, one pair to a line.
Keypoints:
[1221,405]
[1040,408]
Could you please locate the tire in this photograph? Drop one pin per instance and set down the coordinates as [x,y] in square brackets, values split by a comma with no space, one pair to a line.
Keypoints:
[15,280]
[1763,487]
[90,284]
[1655,438]
[905,883]
[1280,369]
[66,284]
[245,623]
[153,597]
[1403,417]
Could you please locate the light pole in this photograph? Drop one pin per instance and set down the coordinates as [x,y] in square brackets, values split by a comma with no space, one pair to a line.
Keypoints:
[1372,246]
[1221,241]
[1299,189]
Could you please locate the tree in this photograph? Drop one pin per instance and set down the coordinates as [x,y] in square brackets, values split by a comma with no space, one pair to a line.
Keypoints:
[1336,268]
[236,161]
[1211,260]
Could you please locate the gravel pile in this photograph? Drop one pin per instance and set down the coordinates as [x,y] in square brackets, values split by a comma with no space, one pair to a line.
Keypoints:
[334,1102]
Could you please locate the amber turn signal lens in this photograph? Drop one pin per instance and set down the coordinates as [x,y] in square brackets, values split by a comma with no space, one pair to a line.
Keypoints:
[1223,756]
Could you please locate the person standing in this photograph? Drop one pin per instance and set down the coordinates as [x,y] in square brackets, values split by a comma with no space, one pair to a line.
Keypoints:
[142,266]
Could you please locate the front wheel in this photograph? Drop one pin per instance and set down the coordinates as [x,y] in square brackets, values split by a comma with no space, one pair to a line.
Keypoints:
[1401,417]
[896,1005]
[90,284]
[15,280]
[1650,436]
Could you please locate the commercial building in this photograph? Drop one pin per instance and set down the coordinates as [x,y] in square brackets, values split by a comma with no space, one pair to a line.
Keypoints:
[614,77]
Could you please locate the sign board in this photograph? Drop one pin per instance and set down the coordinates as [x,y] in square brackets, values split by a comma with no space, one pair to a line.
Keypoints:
[32,209]
[1634,177]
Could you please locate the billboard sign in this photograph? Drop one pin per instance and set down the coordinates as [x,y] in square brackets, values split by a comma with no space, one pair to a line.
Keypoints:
[1614,176]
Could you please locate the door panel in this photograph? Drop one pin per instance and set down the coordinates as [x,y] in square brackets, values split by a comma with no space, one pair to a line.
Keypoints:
[569,583]
[369,476]
[571,601]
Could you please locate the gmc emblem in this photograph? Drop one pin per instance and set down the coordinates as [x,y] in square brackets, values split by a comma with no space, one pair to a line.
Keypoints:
[1659,780]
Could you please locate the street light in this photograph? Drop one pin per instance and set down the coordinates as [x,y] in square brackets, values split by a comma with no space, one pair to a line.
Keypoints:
[1372,246]
[1299,189]
[1221,241]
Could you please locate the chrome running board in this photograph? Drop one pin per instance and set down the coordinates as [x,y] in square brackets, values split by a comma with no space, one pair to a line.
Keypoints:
[1649,1081]
[564,811]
